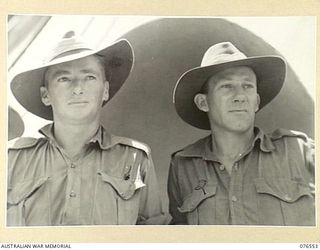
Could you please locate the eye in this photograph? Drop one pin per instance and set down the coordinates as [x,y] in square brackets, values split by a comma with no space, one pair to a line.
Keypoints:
[248,85]
[226,86]
[91,77]
[63,79]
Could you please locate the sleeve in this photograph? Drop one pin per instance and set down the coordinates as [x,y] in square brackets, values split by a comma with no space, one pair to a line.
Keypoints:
[151,211]
[300,146]
[174,196]
[308,151]
[15,215]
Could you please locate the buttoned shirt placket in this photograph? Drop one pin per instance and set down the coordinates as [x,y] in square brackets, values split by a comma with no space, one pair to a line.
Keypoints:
[233,183]
[235,194]
[71,211]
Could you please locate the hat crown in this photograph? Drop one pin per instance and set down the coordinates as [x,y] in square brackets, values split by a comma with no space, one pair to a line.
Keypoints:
[221,53]
[69,44]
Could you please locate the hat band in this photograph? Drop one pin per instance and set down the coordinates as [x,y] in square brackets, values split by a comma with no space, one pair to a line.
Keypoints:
[223,58]
[70,52]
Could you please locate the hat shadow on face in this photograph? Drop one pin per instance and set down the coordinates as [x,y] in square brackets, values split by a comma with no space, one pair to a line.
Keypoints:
[143,108]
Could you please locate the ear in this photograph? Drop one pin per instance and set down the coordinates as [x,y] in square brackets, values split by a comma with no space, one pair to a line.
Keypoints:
[201,102]
[45,96]
[106,91]
[258,103]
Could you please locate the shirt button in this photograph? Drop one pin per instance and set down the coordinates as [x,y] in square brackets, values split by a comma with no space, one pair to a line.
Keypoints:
[72,165]
[287,197]
[234,199]
[222,167]
[73,194]
[236,166]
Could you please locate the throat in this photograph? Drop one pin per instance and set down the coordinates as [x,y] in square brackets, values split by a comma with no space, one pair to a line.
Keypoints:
[75,153]
[74,139]
[229,149]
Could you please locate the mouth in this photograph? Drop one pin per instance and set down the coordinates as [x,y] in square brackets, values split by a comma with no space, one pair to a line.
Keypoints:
[78,102]
[238,111]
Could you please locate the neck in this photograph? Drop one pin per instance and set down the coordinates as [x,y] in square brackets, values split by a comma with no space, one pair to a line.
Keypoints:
[73,137]
[229,145]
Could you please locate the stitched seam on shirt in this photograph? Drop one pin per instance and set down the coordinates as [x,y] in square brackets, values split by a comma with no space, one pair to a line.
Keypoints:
[95,195]
[117,209]
[49,201]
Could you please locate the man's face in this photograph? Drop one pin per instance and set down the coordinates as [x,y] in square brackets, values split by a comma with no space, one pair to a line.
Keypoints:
[76,89]
[232,99]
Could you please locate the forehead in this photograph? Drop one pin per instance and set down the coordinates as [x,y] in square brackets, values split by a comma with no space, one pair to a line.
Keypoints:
[239,73]
[89,63]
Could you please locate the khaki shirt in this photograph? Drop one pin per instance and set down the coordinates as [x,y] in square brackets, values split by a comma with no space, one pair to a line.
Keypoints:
[114,182]
[270,184]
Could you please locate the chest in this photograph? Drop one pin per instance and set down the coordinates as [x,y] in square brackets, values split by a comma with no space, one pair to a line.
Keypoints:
[97,188]
[261,188]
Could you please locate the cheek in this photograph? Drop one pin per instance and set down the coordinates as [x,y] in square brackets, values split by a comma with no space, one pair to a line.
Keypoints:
[97,93]
[254,102]
[218,102]
[218,106]
[57,93]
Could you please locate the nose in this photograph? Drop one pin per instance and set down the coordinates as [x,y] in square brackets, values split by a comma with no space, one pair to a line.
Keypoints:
[77,87]
[239,95]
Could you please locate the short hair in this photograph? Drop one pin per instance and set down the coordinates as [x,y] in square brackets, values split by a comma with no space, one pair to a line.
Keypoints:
[102,61]
[205,87]
[103,64]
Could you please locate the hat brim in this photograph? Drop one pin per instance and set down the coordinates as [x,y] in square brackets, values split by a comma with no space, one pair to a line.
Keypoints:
[25,86]
[270,72]
[15,124]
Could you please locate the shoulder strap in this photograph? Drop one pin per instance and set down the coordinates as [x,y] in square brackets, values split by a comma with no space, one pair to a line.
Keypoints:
[281,132]
[22,142]
[135,144]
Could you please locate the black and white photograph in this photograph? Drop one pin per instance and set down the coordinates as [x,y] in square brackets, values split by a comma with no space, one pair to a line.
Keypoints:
[160,120]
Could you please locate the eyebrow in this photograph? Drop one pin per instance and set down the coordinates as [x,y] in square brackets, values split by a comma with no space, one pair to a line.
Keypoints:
[66,72]
[59,73]
[89,71]
[230,78]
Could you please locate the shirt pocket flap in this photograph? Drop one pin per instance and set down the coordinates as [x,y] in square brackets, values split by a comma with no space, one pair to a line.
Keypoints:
[22,190]
[194,199]
[124,188]
[282,188]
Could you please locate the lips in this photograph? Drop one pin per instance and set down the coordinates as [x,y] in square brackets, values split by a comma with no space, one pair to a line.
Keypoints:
[77,102]
[238,111]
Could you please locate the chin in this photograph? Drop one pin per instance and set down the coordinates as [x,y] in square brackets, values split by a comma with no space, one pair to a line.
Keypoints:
[80,117]
[240,126]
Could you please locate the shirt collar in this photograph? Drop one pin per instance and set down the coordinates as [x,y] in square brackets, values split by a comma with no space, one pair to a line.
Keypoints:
[206,150]
[47,131]
[104,139]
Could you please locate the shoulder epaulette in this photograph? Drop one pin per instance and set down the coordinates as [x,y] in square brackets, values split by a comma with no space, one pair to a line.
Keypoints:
[135,144]
[195,149]
[22,142]
[281,132]
[176,152]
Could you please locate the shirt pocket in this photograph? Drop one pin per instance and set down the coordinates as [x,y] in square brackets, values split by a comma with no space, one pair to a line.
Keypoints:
[124,188]
[199,205]
[21,191]
[25,203]
[283,201]
[121,199]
